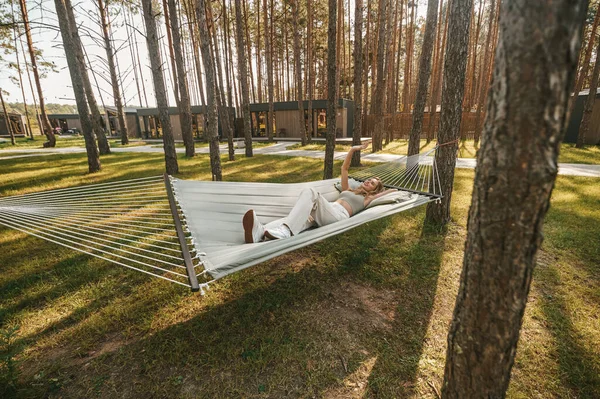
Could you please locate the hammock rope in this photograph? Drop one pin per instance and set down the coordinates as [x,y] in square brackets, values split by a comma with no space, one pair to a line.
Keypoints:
[189,232]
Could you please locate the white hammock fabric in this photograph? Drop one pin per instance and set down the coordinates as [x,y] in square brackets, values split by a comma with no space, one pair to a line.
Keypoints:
[190,232]
[213,214]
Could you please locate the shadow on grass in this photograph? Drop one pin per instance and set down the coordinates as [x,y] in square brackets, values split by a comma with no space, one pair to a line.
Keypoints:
[579,368]
[395,371]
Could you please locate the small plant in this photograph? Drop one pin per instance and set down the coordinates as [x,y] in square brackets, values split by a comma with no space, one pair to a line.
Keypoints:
[8,364]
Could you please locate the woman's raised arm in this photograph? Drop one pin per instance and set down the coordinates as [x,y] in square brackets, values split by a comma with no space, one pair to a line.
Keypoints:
[346,164]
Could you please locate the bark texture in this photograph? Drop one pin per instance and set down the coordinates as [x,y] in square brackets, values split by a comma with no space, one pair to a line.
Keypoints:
[110,58]
[156,65]
[36,76]
[358,72]
[299,97]
[211,92]
[424,74]
[378,103]
[243,75]
[516,171]
[455,66]
[96,118]
[185,108]
[78,89]
[584,127]
[332,86]
[270,88]
[7,120]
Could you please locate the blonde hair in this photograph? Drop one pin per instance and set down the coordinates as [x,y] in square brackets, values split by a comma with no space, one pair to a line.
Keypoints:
[360,190]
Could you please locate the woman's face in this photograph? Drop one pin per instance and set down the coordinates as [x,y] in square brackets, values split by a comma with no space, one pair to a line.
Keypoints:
[371,184]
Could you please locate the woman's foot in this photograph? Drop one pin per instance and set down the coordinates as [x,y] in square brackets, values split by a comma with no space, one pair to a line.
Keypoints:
[254,231]
[278,232]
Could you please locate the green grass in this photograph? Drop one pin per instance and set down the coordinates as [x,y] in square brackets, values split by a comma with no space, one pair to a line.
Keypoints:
[255,144]
[568,153]
[61,142]
[363,314]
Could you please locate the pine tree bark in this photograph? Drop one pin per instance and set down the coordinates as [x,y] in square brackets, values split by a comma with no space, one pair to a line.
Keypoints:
[36,76]
[171,53]
[185,108]
[270,87]
[96,118]
[331,89]
[299,97]
[311,75]
[584,127]
[483,78]
[358,72]
[515,175]
[455,66]
[15,28]
[437,86]
[160,91]
[378,103]
[224,114]
[243,76]
[424,74]
[211,92]
[70,44]
[113,74]
[585,65]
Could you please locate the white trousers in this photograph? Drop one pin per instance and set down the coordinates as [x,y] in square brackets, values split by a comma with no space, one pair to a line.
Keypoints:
[310,210]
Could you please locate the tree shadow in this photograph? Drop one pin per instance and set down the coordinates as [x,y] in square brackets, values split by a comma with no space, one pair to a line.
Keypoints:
[395,371]
[579,367]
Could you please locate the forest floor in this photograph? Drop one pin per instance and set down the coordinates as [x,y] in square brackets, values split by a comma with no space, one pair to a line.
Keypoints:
[362,314]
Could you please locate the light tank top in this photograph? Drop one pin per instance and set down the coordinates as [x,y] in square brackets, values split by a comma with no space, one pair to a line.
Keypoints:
[356,201]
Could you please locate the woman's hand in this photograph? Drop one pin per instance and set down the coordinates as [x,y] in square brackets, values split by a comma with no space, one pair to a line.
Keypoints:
[363,146]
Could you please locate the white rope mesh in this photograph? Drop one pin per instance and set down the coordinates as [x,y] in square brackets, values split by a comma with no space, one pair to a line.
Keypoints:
[128,223]
[416,173]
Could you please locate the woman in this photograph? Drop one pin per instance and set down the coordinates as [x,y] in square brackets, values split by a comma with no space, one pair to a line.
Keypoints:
[312,209]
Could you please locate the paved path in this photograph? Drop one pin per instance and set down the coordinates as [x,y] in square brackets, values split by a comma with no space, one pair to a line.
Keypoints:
[569,169]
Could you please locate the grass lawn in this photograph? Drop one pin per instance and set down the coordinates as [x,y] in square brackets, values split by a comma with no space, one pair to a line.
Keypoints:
[61,142]
[198,144]
[467,149]
[363,314]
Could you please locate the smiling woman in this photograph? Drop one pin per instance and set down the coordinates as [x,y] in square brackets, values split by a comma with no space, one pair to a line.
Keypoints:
[312,209]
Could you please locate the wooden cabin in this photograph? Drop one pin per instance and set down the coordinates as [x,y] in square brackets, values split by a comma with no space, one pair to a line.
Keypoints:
[286,118]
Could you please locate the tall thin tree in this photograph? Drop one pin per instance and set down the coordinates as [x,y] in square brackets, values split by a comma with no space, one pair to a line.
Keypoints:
[270,88]
[7,120]
[185,109]
[69,45]
[331,89]
[156,65]
[517,166]
[211,92]
[358,72]
[243,76]
[424,74]
[455,66]
[36,76]
[588,108]
[110,54]
[299,97]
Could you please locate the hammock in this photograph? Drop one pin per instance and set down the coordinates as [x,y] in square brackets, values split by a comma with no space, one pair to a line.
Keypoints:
[190,232]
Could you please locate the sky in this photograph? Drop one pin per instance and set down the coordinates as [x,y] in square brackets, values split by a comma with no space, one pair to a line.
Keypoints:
[57,86]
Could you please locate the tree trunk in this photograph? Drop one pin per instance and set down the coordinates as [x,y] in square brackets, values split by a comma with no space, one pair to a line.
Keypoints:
[185,110]
[410,38]
[473,87]
[311,75]
[70,44]
[15,28]
[159,87]
[437,54]
[584,127]
[299,97]
[455,66]
[45,121]
[484,81]
[433,121]
[585,65]
[331,89]
[243,76]
[96,118]
[358,71]
[110,54]
[169,29]
[378,106]
[7,120]
[515,175]
[211,92]
[424,74]
[269,53]
[224,115]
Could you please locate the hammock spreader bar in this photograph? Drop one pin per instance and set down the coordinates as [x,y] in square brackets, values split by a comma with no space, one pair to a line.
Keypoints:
[187,258]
